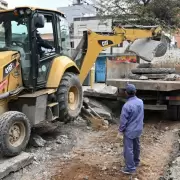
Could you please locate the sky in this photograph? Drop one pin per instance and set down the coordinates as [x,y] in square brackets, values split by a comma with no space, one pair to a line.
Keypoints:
[51,4]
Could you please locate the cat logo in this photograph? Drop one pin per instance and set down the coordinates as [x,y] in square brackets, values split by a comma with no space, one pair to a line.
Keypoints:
[104,43]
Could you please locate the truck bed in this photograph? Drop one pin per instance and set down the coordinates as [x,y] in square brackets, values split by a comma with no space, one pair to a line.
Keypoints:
[155,85]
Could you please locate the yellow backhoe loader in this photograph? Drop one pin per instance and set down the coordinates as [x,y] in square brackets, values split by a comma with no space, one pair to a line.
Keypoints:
[36,87]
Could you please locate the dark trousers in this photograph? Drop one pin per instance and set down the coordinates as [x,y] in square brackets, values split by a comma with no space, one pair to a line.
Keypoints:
[131,153]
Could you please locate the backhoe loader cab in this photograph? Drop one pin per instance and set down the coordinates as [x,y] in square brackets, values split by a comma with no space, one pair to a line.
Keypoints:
[38,80]
[19,29]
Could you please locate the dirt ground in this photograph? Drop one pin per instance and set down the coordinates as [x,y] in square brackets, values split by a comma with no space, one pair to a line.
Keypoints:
[102,159]
[76,152]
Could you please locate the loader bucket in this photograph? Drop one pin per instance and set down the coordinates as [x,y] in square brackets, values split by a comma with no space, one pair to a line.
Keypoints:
[147,48]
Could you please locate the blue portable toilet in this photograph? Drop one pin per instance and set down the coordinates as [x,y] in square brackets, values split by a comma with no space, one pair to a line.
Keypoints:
[100,69]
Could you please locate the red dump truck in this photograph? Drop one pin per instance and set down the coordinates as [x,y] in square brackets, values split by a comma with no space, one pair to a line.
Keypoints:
[157,85]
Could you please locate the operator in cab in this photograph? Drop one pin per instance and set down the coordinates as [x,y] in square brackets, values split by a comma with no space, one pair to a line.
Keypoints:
[42,43]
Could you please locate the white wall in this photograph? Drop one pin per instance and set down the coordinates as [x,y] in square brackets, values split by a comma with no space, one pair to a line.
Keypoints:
[94,25]
[72,12]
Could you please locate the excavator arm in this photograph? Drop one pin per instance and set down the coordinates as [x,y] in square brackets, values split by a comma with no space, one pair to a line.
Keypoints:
[93,43]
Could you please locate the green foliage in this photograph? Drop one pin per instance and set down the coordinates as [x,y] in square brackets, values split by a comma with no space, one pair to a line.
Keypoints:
[145,12]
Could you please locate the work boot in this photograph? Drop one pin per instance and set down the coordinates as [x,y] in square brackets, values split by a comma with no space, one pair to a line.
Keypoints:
[126,171]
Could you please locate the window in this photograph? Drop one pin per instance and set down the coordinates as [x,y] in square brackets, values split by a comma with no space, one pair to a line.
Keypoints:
[14,36]
[72,44]
[47,35]
[64,36]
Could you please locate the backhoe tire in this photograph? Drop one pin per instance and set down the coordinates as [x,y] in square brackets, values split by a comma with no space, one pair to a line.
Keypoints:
[145,65]
[15,130]
[69,97]
[153,71]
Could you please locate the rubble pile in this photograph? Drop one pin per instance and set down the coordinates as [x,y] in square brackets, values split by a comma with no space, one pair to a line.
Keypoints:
[146,71]
[97,114]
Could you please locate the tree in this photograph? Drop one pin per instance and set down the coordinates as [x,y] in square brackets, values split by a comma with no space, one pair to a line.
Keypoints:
[144,12]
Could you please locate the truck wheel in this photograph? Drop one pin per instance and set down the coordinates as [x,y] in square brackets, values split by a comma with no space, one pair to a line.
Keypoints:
[70,97]
[153,71]
[15,130]
[145,65]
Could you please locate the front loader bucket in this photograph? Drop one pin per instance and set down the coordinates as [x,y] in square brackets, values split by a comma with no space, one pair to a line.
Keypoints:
[147,48]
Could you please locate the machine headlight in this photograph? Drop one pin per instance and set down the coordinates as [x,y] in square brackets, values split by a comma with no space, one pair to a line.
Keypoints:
[28,11]
[21,12]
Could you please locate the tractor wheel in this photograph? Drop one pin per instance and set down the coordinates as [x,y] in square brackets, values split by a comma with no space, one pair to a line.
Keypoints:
[15,130]
[70,97]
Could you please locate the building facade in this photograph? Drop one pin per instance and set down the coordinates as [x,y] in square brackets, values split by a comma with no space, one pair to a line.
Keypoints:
[77,10]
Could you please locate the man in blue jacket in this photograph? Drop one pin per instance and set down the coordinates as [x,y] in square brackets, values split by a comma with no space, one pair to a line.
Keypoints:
[131,127]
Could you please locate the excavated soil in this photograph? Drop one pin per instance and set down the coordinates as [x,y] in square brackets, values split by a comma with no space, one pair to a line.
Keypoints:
[101,158]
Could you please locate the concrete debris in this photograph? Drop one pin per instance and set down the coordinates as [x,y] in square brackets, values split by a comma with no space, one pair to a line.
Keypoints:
[172,77]
[15,163]
[97,104]
[96,115]
[143,77]
[109,90]
[37,141]
[104,90]
[174,171]
[99,109]
[156,76]
[103,113]
[63,139]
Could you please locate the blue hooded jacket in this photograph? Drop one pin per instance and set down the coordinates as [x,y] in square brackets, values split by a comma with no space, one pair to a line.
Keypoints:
[132,116]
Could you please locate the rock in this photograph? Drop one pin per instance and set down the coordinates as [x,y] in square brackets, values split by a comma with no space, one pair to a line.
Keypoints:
[166,128]
[58,141]
[8,165]
[88,128]
[64,136]
[63,139]
[106,123]
[86,178]
[105,127]
[104,168]
[37,141]
[48,149]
